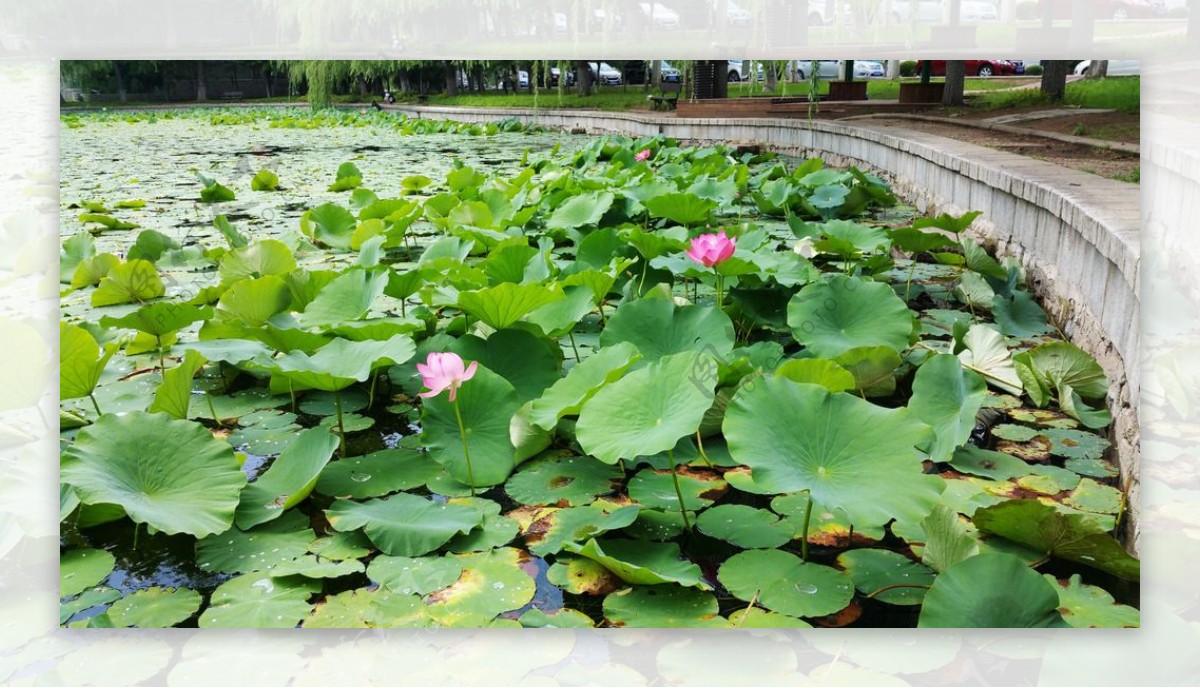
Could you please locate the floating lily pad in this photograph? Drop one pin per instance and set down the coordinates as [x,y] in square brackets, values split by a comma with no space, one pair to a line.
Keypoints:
[378,608]
[350,422]
[1037,450]
[1049,480]
[986,463]
[319,403]
[312,567]
[491,583]
[1090,495]
[660,526]
[419,575]
[1087,606]
[494,531]
[582,576]
[1095,468]
[827,526]
[1015,433]
[562,618]
[1073,537]
[237,551]
[1076,444]
[92,597]
[753,617]
[155,607]
[990,591]
[80,569]
[341,546]
[662,606]
[784,583]
[256,600]
[874,570]
[404,524]
[552,532]
[641,562]
[265,432]
[562,481]
[745,526]
[1044,418]
[377,474]
[656,489]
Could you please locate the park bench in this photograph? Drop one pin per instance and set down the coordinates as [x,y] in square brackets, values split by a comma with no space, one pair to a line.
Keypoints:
[231,95]
[667,98]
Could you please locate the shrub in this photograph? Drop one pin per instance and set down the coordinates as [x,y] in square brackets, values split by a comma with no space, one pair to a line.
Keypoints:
[908,68]
[1033,70]
[1027,10]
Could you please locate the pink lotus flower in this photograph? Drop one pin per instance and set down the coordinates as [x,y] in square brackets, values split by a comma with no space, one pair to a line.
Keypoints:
[710,249]
[441,371]
[642,155]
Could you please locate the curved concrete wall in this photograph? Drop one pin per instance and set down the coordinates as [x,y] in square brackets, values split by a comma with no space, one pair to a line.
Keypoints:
[1076,234]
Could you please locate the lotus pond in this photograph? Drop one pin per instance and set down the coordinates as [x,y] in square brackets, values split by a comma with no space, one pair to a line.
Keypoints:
[363,371]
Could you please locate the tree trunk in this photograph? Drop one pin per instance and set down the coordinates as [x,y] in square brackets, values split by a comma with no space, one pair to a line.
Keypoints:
[893,70]
[362,88]
[956,82]
[201,87]
[451,78]
[266,74]
[583,77]
[479,78]
[1054,78]
[121,94]
[770,76]
[655,79]
[1097,69]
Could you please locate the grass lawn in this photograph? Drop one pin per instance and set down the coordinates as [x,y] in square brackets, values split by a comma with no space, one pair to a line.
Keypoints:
[1121,93]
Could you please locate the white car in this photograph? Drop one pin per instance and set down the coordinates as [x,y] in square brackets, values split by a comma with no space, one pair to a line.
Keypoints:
[606,74]
[828,69]
[739,70]
[1115,67]
[663,17]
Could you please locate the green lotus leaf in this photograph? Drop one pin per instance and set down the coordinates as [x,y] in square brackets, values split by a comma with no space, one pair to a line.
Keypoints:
[348,297]
[745,526]
[253,301]
[256,600]
[720,191]
[562,481]
[1061,364]
[80,569]
[1015,433]
[504,304]
[662,607]
[377,474]
[842,313]
[151,245]
[487,403]
[80,361]
[990,591]
[784,583]
[580,210]
[640,562]
[686,209]
[1087,606]
[582,576]
[378,608]
[329,224]
[341,546]
[264,180]
[1075,444]
[557,318]
[864,238]
[656,489]
[648,410]
[264,432]
[419,575]
[92,269]
[947,222]
[239,551]
[988,464]
[403,524]
[288,481]
[491,583]
[753,617]
[1090,495]
[1095,468]
[174,395]
[214,191]
[554,531]
[169,474]
[654,244]
[155,607]
[1074,537]
[914,241]
[568,395]
[876,569]
[342,362]
[92,597]
[530,363]
[947,539]
[75,250]
[657,327]
[495,530]
[106,221]
[873,369]
[986,354]
[1018,315]
[818,371]
[260,259]
[348,177]
[845,450]
[562,618]
[160,318]
[134,280]
[233,237]
[312,567]
[415,182]
[946,397]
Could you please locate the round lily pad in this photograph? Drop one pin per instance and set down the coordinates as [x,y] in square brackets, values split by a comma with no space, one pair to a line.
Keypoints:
[562,618]
[1044,418]
[753,617]
[641,562]
[155,607]
[378,608]
[491,583]
[1087,606]
[657,525]
[92,597]
[1095,468]
[656,489]
[341,546]
[1076,444]
[318,403]
[351,422]
[551,532]
[494,531]
[256,600]
[404,524]
[990,591]
[988,464]
[663,606]
[238,551]
[562,481]
[1092,496]
[1015,433]
[1049,480]
[581,576]
[784,583]
[745,526]
[377,474]
[876,569]
[312,567]
[1036,450]
[265,432]
[80,569]
[419,575]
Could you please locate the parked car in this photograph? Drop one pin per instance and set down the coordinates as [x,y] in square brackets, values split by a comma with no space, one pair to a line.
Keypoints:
[1115,67]
[828,69]
[974,67]
[605,74]
[637,72]
[739,70]
[734,15]
[1119,10]
[663,17]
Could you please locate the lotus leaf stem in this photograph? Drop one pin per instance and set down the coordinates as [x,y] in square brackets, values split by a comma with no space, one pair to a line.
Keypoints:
[337,404]
[92,396]
[804,533]
[571,335]
[462,431]
[700,446]
[212,409]
[678,493]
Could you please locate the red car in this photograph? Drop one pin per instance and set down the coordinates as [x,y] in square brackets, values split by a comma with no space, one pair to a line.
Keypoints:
[975,67]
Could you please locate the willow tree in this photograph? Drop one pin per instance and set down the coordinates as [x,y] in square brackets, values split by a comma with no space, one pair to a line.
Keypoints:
[321,76]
